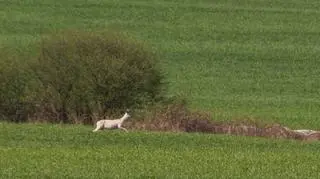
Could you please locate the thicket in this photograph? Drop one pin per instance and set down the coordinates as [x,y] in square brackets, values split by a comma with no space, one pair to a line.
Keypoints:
[77,76]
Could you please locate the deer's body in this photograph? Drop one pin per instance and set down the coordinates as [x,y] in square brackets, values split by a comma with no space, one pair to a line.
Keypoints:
[111,124]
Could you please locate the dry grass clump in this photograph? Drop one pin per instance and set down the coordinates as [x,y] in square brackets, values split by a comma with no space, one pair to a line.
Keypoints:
[172,117]
[177,118]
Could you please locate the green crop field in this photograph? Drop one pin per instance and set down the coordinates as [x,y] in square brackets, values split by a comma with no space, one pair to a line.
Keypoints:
[235,59]
[55,151]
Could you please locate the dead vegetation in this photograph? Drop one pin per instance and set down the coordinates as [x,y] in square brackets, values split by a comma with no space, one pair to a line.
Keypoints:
[177,118]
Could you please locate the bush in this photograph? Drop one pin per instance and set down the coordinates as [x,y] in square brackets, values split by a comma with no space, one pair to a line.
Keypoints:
[13,82]
[79,75]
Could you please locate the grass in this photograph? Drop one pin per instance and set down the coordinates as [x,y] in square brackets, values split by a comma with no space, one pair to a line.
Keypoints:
[254,58]
[62,151]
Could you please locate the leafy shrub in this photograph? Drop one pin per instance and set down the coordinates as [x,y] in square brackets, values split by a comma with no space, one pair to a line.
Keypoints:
[13,83]
[76,76]
[86,73]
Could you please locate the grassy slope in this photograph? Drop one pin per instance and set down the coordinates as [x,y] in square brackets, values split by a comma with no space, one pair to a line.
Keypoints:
[30,151]
[251,58]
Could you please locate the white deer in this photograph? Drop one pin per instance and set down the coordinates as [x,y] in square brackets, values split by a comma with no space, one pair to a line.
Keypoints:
[112,124]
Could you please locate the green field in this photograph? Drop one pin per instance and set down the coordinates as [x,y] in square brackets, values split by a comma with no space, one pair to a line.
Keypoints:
[235,59]
[54,151]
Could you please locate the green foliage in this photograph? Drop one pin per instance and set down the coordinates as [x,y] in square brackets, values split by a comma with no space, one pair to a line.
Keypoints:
[79,74]
[83,69]
[13,83]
